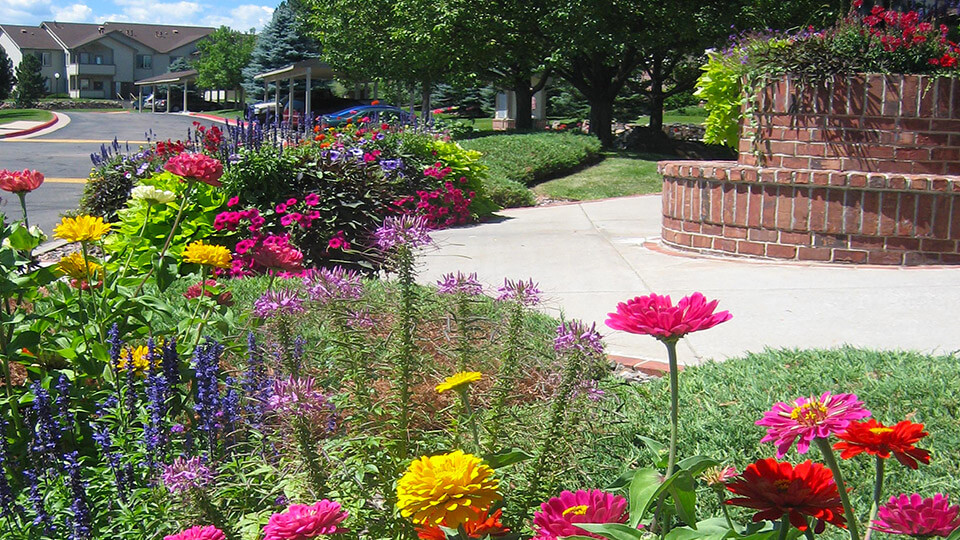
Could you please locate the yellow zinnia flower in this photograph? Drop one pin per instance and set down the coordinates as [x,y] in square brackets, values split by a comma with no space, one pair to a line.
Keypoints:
[457,380]
[73,265]
[137,360]
[207,254]
[81,228]
[446,489]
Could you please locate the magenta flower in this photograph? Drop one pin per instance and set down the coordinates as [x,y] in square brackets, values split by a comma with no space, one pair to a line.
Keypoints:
[208,532]
[277,253]
[576,335]
[524,292]
[657,316]
[914,516]
[806,419]
[196,167]
[185,474]
[302,522]
[558,517]
[460,283]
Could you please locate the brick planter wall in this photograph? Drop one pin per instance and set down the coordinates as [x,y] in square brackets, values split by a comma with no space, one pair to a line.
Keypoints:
[859,171]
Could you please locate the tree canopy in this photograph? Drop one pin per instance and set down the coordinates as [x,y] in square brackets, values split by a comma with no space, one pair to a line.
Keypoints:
[223,55]
[29,88]
[6,75]
[283,41]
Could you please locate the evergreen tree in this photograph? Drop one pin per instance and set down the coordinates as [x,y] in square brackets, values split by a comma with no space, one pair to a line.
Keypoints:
[29,82]
[281,42]
[180,64]
[6,75]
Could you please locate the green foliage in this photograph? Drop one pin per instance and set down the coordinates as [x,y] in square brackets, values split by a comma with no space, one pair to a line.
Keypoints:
[532,158]
[29,87]
[109,185]
[180,64]
[223,55]
[7,78]
[720,87]
[282,41]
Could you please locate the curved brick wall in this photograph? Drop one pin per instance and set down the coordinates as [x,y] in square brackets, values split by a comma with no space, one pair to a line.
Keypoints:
[907,124]
[860,170]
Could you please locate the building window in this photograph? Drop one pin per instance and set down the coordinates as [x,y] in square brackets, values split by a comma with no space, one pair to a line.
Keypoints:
[45,59]
[98,59]
[84,84]
[84,58]
[98,85]
[47,85]
[144,61]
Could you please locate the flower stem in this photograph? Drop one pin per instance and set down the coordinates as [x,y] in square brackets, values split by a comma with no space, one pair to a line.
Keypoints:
[784,527]
[831,462]
[23,206]
[726,513]
[405,357]
[133,250]
[468,415]
[674,404]
[173,230]
[877,493]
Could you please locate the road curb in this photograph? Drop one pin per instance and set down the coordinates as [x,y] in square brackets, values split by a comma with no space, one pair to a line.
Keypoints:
[210,117]
[34,129]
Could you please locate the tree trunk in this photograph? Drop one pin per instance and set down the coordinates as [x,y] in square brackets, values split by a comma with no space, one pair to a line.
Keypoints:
[601,116]
[656,94]
[425,101]
[523,108]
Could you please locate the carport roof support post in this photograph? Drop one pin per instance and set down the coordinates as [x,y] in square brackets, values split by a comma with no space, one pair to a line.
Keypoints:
[185,83]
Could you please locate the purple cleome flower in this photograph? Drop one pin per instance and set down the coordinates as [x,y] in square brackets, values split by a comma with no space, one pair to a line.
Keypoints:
[467,285]
[185,474]
[279,302]
[524,292]
[577,335]
[334,284]
[296,395]
[410,231]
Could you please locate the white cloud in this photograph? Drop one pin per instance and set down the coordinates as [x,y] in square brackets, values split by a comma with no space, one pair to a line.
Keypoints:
[146,11]
[242,17]
[73,13]
[24,11]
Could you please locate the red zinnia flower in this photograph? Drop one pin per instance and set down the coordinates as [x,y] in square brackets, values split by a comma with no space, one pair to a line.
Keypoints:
[20,181]
[657,316]
[778,488]
[485,525]
[878,440]
[196,167]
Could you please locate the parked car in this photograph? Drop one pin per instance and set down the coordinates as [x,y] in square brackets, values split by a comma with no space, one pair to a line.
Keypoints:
[195,102]
[378,113]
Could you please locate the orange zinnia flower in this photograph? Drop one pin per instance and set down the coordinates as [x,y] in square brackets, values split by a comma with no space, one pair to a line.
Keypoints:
[878,440]
[485,525]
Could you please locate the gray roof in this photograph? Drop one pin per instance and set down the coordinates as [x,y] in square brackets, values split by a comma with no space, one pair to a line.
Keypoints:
[29,37]
[171,77]
[161,38]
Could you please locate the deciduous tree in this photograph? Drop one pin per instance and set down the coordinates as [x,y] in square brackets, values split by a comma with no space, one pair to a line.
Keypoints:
[223,55]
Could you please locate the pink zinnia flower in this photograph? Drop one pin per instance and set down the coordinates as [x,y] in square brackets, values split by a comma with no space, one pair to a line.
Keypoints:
[806,419]
[914,516]
[558,517]
[196,167]
[657,316]
[301,521]
[20,181]
[276,252]
[208,532]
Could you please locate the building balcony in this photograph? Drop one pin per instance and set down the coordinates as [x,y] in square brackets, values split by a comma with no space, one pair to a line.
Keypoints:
[91,69]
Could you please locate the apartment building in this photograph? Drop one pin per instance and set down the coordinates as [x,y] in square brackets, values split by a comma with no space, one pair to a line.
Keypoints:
[100,60]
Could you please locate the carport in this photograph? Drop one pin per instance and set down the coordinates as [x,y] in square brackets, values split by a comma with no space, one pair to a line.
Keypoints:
[310,69]
[168,79]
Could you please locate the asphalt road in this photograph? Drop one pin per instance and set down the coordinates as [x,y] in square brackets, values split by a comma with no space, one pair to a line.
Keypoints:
[63,156]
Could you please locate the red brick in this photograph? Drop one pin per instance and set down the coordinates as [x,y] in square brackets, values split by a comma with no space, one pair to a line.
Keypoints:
[928,167]
[682,239]
[888,213]
[909,96]
[855,95]
[941,216]
[897,182]
[686,210]
[823,164]
[949,126]
[923,221]
[781,252]
[944,91]
[698,241]
[818,209]
[835,211]
[938,246]
[945,154]
[691,226]
[742,202]
[712,230]
[749,175]
[671,223]
[911,154]
[814,254]
[802,239]
[749,248]
[734,232]
[873,100]
[769,213]
[668,235]
[857,180]
[801,208]
[785,207]
[734,174]
[763,235]
[891,97]
[903,244]
[866,242]
[848,256]
[725,244]
[950,258]
[919,184]
[755,208]
[918,259]
[830,240]
[928,95]
[852,209]
[870,212]
[906,215]
[884,257]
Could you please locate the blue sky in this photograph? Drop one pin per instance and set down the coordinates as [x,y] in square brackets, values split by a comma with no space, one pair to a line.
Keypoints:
[241,15]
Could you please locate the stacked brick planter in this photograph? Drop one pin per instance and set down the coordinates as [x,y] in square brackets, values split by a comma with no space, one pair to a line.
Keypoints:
[864,170]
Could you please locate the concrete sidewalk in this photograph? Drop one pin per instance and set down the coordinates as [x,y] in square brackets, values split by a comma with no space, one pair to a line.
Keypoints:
[588,257]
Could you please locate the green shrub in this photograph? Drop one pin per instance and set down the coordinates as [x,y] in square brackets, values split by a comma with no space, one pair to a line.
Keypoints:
[515,161]
[720,87]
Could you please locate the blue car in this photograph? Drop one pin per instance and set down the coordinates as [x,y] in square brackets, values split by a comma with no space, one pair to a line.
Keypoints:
[376,113]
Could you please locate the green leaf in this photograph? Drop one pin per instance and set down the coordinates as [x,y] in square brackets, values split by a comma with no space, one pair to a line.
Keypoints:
[696,464]
[643,488]
[683,492]
[613,531]
[506,458]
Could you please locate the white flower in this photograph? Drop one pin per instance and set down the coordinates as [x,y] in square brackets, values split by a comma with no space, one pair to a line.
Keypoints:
[152,195]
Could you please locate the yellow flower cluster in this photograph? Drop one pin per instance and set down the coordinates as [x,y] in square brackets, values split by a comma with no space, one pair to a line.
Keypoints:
[447,489]
[74,266]
[207,255]
[81,228]
[137,359]
[457,380]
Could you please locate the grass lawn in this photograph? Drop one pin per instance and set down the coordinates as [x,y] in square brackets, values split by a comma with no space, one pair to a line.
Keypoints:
[618,175]
[685,115]
[232,114]
[719,403]
[16,115]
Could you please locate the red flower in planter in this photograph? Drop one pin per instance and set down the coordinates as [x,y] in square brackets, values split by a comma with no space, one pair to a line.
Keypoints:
[196,167]
[776,489]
